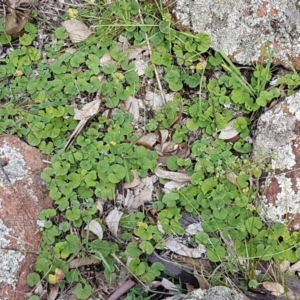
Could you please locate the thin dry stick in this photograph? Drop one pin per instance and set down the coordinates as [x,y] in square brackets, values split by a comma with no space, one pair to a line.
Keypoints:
[162,94]
[124,288]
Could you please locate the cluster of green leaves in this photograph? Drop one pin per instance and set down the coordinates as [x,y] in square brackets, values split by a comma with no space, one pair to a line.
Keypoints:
[37,90]
[226,210]
[44,128]
[149,235]
[96,163]
[185,49]
[234,89]
[92,168]
[292,81]
[58,246]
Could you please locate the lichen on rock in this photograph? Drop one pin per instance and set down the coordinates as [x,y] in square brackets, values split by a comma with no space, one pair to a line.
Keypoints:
[244,30]
[277,139]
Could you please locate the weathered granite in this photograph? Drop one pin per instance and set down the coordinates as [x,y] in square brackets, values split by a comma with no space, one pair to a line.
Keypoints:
[277,140]
[242,29]
[214,293]
[22,196]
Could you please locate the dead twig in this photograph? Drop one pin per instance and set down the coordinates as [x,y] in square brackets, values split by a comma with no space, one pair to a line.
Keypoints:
[162,94]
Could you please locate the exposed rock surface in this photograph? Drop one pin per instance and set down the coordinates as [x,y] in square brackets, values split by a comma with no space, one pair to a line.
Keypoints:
[214,293]
[243,29]
[22,196]
[278,140]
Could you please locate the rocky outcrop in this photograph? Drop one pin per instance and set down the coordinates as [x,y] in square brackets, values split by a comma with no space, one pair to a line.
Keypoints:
[277,141]
[214,293]
[22,196]
[244,30]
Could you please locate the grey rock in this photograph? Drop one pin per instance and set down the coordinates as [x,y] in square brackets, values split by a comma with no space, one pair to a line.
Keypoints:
[214,293]
[243,29]
[22,196]
[277,142]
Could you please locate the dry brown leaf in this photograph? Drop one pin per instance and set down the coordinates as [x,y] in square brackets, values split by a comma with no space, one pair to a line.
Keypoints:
[155,100]
[193,229]
[162,160]
[99,205]
[77,30]
[39,291]
[132,106]
[106,59]
[127,200]
[183,150]
[140,66]
[169,147]
[284,266]
[231,177]
[83,261]
[142,193]
[175,245]
[168,285]
[75,133]
[53,292]
[163,135]
[137,52]
[275,288]
[175,176]
[295,267]
[14,26]
[136,181]
[139,56]
[92,231]
[171,185]
[141,198]
[112,221]
[123,44]
[88,110]
[150,139]
[229,133]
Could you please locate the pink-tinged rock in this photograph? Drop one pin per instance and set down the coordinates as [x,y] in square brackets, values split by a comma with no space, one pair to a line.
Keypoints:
[22,196]
[243,30]
[277,140]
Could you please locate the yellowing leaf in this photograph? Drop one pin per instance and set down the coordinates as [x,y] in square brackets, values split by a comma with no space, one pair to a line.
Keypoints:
[57,277]
[142,225]
[18,73]
[72,13]
[64,255]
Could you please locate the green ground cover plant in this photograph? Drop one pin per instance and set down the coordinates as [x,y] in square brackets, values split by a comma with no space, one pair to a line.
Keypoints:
[36,93]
